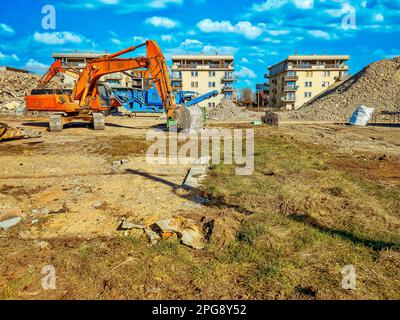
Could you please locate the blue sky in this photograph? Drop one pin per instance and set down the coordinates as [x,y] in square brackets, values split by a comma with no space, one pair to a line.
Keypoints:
[258,32]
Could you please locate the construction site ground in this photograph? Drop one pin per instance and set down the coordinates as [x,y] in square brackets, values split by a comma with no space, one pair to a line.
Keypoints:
[322,196]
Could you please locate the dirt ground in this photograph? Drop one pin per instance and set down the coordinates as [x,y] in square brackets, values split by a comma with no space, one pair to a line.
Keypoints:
[72,201]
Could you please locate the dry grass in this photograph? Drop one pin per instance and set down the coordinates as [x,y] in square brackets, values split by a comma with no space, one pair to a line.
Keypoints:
[305,218]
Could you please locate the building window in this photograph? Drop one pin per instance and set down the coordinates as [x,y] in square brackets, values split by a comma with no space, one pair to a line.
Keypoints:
[327,73]
[211,85]
[195,84]
[195,74]
[307,94]
[308,84]
[211,74]
[211,104]
[309,74]
[325,84]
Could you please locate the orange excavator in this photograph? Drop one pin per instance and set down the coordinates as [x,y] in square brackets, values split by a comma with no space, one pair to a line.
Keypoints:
[84,102]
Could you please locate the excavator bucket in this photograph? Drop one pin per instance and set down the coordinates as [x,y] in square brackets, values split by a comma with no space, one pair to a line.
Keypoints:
[8,133]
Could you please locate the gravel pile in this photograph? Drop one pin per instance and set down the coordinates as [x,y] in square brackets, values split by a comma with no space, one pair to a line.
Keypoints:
[227,110]
[14,86]
[376,86]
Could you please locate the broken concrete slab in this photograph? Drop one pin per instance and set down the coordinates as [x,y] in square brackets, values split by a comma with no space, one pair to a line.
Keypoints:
[125,225]
[9,223]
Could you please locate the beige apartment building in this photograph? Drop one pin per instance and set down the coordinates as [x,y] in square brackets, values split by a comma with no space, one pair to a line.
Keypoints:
[205,73]
[298,79]
[78,61]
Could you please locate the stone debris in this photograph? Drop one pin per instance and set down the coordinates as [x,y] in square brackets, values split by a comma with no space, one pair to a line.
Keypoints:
[118,163]
[376,86]
[182,229]
[41,244]
[187,231]
[9,223]
[227,110]
[14,86]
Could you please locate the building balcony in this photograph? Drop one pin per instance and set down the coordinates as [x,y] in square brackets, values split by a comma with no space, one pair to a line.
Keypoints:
[181,66]
[176,78]
[229,78]
[291,78]
[227,88]
[319,67]
[290,88]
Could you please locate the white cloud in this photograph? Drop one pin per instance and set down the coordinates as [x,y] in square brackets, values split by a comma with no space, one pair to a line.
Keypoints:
[139,39]
[320,34]
[208,49]
[278,32]
[121,6]
[12,56]
[166,38]
[161,4]
[275,41]
[6,29]
[109,1]
[245,60]
[303,4]
[36,66]
[277,4]
[61,37]
[116,41]
[243,27]
[379,17]
[245,72]
[162,22]
[191,44]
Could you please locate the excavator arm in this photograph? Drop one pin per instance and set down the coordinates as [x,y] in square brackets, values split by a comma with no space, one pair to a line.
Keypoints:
[154,63]
[54,69]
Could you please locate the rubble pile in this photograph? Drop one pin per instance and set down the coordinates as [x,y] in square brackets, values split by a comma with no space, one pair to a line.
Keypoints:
[227,110]
[14,86]
[376,86]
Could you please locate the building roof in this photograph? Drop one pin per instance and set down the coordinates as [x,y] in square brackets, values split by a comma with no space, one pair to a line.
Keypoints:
[202,57]
[77,55]
[312,57]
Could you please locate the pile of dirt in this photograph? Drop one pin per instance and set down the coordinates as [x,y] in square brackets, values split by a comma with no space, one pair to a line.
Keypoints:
[14,86]
[376,86]
[227,110]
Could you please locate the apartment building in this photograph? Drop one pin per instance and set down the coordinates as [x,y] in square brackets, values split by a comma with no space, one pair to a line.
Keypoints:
[298,79]
[205,73]
[78,61]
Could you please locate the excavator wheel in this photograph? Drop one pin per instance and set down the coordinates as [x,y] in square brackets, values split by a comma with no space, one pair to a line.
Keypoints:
[55,123]
[98,121]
